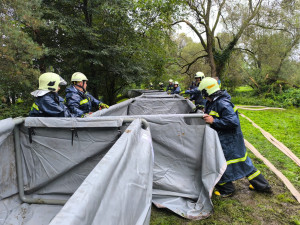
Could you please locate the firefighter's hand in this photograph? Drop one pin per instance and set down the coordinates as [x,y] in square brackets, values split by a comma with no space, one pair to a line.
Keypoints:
[208,119]
[103,106]
[183,92]
[86,114]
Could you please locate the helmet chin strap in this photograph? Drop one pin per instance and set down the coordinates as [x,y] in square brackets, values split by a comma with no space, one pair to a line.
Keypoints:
[82,87]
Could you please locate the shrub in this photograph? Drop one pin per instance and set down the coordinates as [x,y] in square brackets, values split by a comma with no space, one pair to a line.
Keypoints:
[288,98]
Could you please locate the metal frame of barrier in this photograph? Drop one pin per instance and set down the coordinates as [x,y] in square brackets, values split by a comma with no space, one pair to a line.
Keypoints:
[27,198]
[18,121]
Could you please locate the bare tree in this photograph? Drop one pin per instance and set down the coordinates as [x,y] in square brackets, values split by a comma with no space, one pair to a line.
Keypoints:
[206,15]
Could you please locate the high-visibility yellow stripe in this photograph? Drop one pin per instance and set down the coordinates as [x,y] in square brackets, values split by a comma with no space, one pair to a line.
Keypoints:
[35,106]
[254,175]
[210,86]
[237,160]
[84,101]
[222,184]
[235,108]
[213,113]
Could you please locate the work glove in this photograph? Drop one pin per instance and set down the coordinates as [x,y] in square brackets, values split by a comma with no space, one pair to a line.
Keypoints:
[169,92]
[181,93]
[86,114]
[103,106]
[198,107]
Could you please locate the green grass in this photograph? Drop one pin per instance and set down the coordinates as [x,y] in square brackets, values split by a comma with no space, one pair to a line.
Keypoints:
[248,207]
[284,125]
[244,89]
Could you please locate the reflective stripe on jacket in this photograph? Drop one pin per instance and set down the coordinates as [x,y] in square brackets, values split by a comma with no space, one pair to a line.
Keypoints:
[170,87]
[227,124]
[49,105]
[80,103]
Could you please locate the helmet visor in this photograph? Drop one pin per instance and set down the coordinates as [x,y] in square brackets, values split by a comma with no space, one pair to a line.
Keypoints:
[62,81]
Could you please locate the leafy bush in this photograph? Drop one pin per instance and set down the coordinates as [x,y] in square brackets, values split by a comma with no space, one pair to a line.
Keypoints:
[289,98]
[14,110]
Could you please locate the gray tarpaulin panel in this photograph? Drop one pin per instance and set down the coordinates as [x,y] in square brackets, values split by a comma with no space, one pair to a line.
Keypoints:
[136,92]
[142,105]
[51,159]
[8,181]
[189,160]
[118,190]
[70,122]
[13,212]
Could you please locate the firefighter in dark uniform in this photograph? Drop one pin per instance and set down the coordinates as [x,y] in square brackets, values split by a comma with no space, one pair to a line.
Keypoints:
[47,101]
[79,101]
[170,86]
[194,93]
[222,116]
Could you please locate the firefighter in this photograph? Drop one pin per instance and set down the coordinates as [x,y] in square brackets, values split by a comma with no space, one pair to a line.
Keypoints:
[79,101]
[151,86]
[47,101]
[222,116]
[170,86]
[176,88]
[194,93]
[161,86]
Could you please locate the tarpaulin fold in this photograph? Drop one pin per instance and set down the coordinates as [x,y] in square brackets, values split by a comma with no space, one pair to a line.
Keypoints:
[119,189]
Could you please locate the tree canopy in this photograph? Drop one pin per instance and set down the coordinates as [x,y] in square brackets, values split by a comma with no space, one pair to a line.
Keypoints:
[124,43]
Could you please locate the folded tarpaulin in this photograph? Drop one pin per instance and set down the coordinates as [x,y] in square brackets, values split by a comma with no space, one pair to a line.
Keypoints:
[119,188]
[189,159]
[71,122]
[8,181]
[137,92]
[148,106]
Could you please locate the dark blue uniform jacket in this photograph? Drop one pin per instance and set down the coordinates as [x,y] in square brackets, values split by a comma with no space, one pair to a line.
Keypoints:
[227,124]
[80,103]
[170,87]
[176,90]
[195,94]
[49,105]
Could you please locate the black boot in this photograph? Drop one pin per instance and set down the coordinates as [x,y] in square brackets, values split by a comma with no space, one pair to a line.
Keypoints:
[258,182]
[225,189]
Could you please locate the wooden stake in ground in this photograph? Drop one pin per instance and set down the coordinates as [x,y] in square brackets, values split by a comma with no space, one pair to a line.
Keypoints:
[287,183]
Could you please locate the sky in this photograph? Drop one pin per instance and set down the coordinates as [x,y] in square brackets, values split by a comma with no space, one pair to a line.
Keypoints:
[183,28]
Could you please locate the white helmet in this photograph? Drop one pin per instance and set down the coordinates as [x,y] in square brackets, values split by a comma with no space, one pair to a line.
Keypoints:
[199,75]
[49,81]
[78,77]
[176,82]
[171,81]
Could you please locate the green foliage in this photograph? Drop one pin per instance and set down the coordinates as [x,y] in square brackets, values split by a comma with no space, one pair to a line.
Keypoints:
[288,98]
[115,43]
[18,51]
[15,110]
[274,122]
